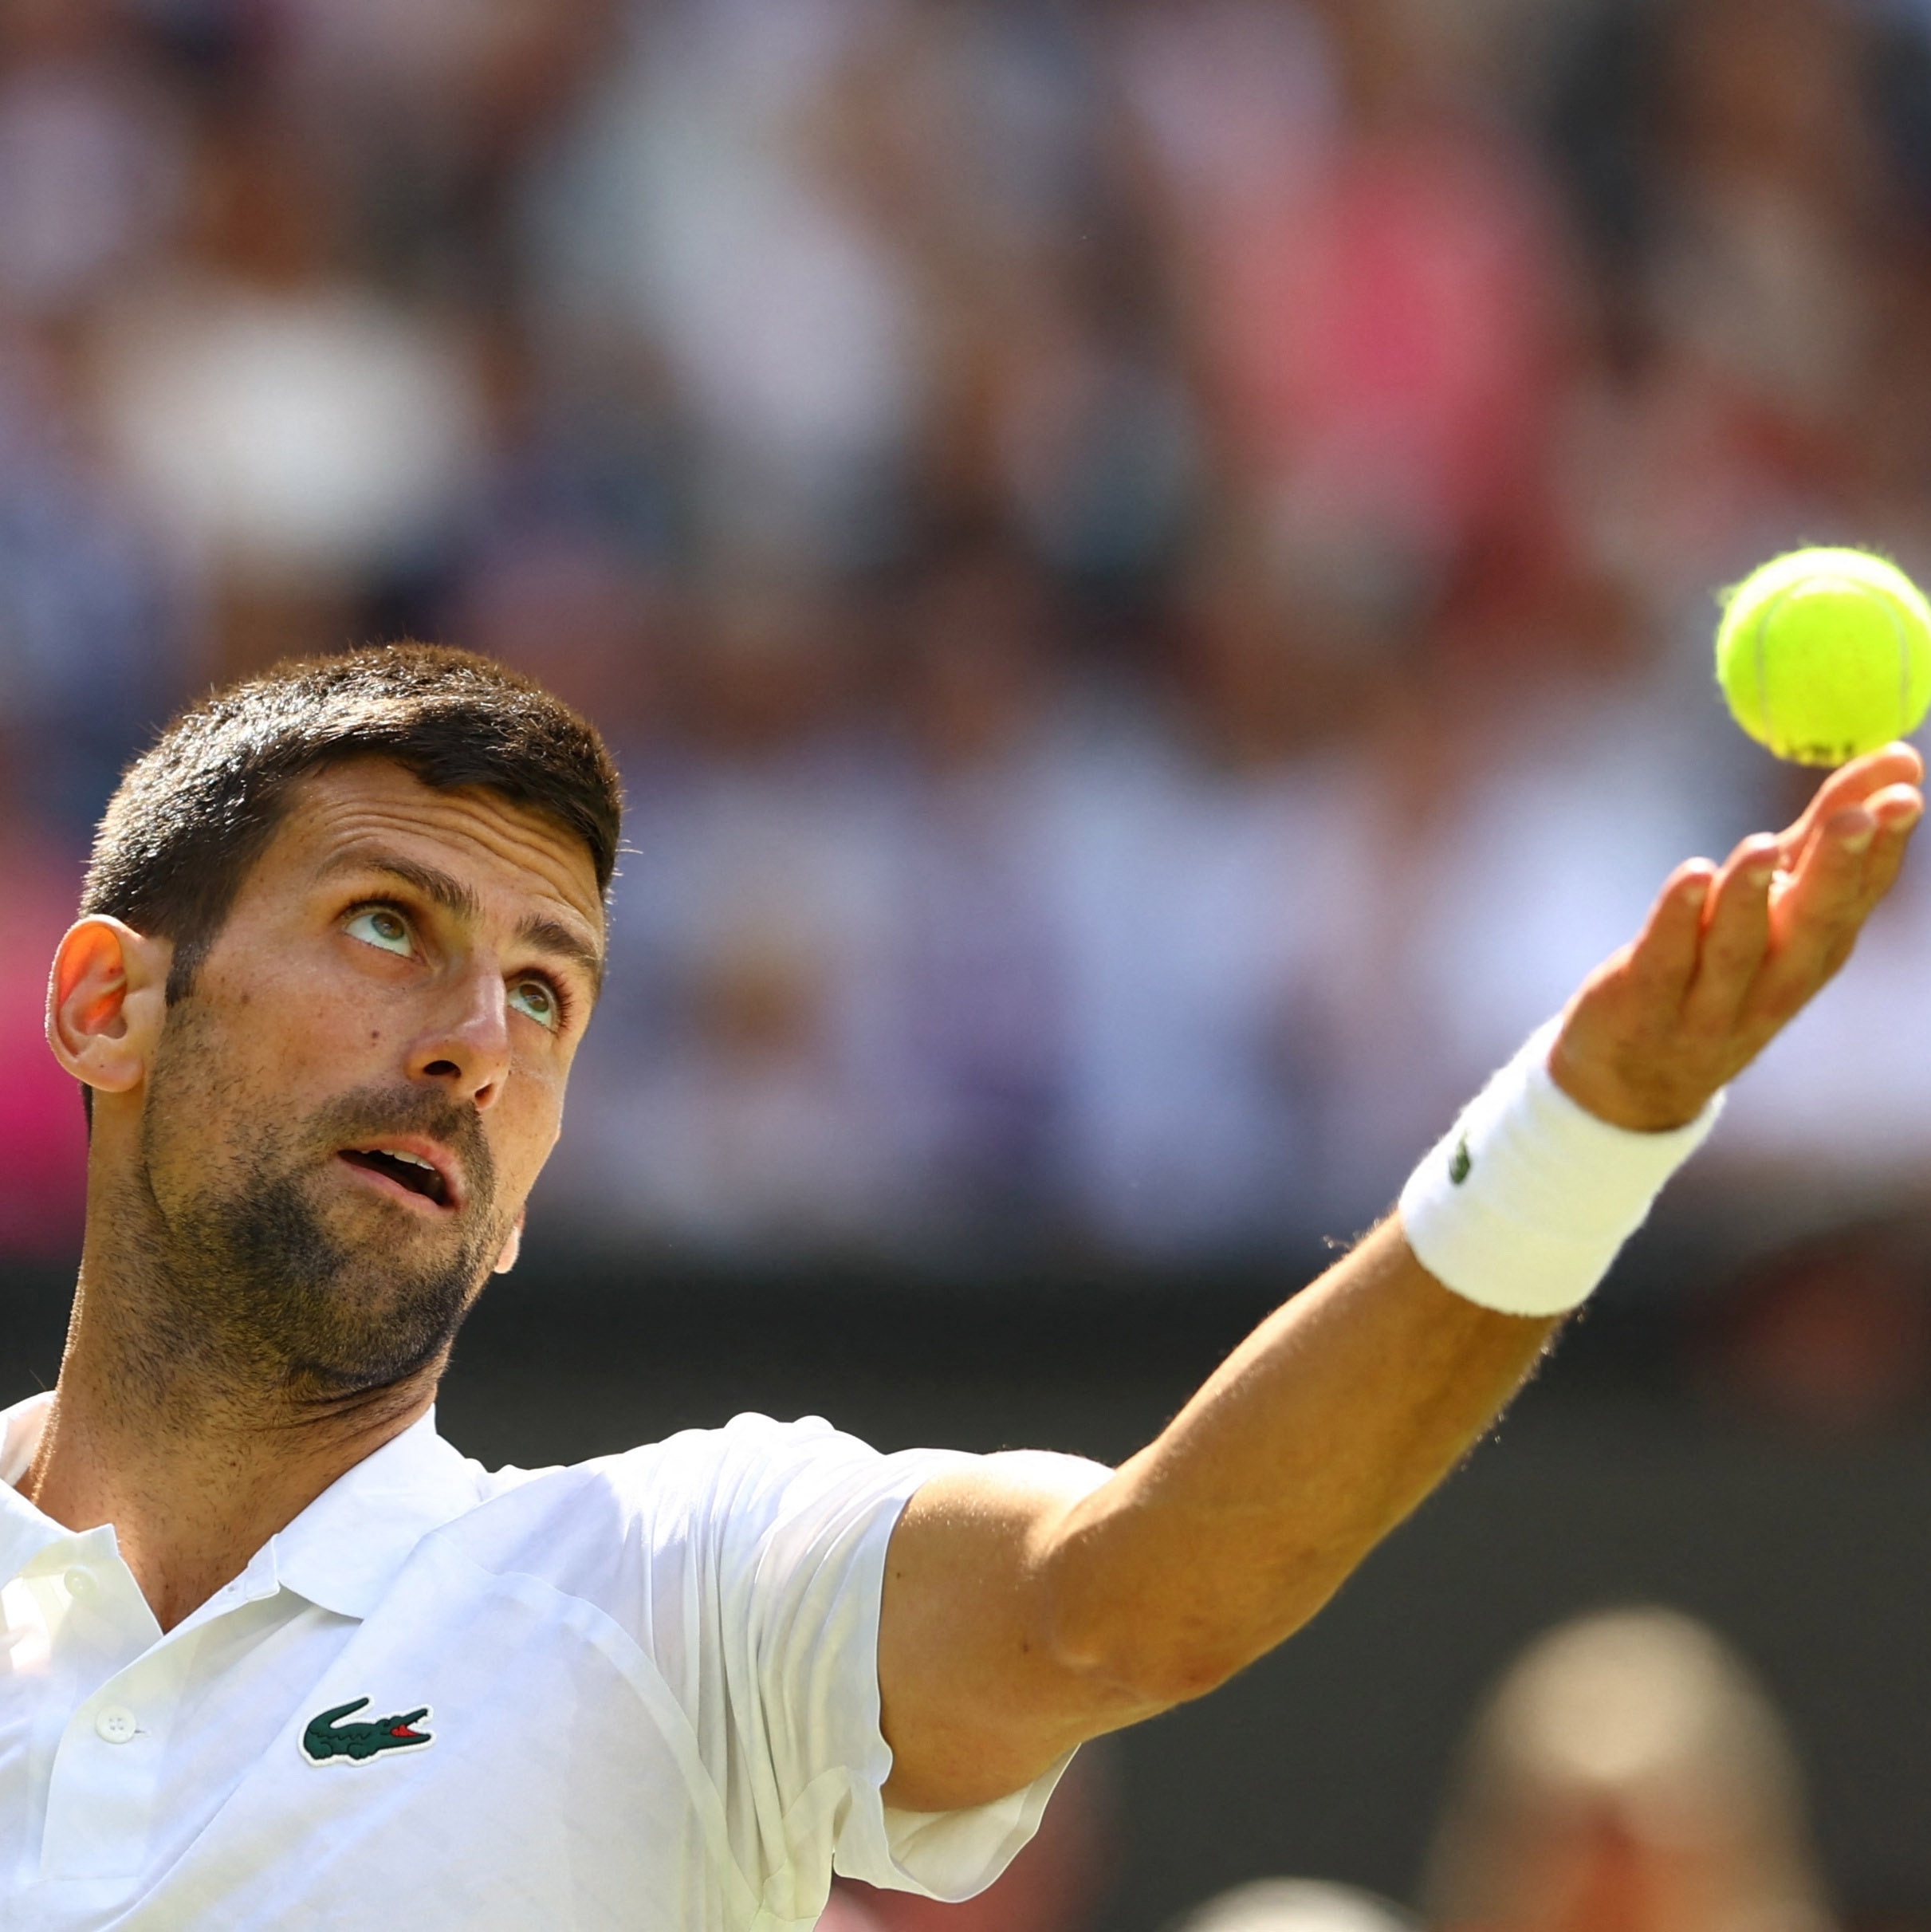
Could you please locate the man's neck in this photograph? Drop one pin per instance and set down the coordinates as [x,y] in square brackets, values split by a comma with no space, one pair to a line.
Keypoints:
[194,1470]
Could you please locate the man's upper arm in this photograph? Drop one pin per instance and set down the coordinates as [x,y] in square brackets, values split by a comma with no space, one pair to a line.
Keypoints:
[978,1698]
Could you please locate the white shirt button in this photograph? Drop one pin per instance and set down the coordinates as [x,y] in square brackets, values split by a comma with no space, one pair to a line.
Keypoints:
[80,1583]
[116,1724]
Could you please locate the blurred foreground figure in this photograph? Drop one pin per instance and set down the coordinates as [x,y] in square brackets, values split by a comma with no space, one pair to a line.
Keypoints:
[1296,1905]
[1629,1775]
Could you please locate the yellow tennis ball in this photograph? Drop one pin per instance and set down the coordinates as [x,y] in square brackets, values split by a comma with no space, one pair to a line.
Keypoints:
[1825,654]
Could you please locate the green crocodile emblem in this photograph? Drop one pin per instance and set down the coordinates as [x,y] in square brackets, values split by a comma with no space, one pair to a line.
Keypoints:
[327,1737]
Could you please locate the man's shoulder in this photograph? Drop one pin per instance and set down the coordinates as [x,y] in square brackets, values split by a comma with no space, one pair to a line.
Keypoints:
[747,1442]
[675,1481]
[678,1520]
[698,1493]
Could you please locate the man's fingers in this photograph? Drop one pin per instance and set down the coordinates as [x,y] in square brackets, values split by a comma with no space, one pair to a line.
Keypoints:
[1663,960]
[1857,783]
[1818,914]
[1851,863]
[1728,955]
[1735,935]
[1897,808]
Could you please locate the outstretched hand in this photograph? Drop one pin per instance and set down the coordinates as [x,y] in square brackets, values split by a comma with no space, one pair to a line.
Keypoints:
[1729,955]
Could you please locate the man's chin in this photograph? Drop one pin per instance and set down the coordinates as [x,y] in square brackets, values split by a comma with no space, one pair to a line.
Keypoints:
[378,1312]
[382,1262]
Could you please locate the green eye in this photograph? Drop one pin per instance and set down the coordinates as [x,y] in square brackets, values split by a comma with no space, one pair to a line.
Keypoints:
[532,997]
[382,926]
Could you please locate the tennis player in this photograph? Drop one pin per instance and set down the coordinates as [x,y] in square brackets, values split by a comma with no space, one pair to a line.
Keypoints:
[276,1655]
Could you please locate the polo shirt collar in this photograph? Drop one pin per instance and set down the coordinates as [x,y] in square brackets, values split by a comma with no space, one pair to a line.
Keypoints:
[342,1552]
[25,1531]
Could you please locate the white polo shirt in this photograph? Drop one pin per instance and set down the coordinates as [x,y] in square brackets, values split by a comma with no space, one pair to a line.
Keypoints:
[642,1692]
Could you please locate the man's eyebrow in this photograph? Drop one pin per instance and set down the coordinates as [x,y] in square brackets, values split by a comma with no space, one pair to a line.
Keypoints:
[552,936]
[437,887]
[453,896]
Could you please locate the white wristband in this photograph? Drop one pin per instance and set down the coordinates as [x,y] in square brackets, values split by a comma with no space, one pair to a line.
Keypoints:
[1522,1204]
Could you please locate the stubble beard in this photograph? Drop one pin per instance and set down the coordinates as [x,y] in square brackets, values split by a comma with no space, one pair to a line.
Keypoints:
[256,1294]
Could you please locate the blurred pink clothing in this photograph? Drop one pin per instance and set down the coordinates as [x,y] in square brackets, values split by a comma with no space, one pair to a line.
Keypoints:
[1383,333]
[43,1142]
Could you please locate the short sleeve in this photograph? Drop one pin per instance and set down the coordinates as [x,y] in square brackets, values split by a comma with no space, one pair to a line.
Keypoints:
[768,1581]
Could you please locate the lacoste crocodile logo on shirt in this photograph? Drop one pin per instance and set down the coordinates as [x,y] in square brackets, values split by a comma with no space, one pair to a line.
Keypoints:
[327,1738]
[1462,1161]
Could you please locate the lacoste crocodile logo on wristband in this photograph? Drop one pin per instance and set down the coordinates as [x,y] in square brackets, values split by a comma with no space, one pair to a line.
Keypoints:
[1461,1161]
[328,1738]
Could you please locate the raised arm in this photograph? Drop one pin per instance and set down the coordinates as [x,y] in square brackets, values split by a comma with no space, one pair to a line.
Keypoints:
[1039,1600]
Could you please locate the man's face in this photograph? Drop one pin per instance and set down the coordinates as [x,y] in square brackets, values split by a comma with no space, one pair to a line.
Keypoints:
[344,1117]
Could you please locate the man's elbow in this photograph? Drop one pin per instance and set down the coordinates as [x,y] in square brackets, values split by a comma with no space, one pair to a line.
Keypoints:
[1152,1647]
[1131,1668]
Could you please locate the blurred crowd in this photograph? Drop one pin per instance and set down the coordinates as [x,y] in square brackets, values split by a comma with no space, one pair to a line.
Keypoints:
[1627,1773]
[1149,567]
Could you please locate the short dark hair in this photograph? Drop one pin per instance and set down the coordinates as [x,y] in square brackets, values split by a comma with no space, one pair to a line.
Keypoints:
[195,811]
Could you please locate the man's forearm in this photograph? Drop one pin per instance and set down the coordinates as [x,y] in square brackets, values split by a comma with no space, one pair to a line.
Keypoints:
[1319,1434]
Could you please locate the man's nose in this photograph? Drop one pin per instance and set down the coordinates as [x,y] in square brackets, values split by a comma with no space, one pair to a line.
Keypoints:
[467,1049]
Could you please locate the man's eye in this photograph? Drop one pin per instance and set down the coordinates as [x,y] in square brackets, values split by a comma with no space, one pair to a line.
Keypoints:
[532,997]
[381,927]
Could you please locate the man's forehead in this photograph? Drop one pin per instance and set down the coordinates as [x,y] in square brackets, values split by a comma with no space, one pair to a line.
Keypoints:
[372,810]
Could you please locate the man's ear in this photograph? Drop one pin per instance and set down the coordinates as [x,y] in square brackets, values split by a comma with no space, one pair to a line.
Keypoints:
[512,1249]
[107,1002]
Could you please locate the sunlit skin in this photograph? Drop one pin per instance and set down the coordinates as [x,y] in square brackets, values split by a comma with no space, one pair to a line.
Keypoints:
[447,944]
[1031,1601]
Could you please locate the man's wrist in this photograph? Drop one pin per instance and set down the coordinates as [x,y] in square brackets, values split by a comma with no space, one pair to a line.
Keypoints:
[1524,1204]
[1658,1108]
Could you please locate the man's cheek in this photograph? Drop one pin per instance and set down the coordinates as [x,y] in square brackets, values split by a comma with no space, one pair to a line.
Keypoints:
[520,1157]
[319,1035]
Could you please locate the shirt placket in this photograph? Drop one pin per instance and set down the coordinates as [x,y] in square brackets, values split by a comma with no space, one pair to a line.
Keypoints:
[124,1680]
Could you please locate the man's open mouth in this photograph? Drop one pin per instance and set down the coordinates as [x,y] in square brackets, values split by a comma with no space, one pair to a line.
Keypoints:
[408,1170]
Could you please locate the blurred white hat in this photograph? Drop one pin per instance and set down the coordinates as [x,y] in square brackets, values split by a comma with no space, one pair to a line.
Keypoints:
[1296,1905]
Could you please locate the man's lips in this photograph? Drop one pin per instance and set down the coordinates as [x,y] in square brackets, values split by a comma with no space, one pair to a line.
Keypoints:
[420,1172]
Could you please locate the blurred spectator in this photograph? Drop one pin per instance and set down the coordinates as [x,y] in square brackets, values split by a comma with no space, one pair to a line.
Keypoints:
[736,1101]
[1762,276]
[1375,297]
[304,438]
[1628,1775]
[92,155]
[421,112]
[981,967]
[1294,1905]
[92,621]
[1830,1336]
[702,204]
[1195,900]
